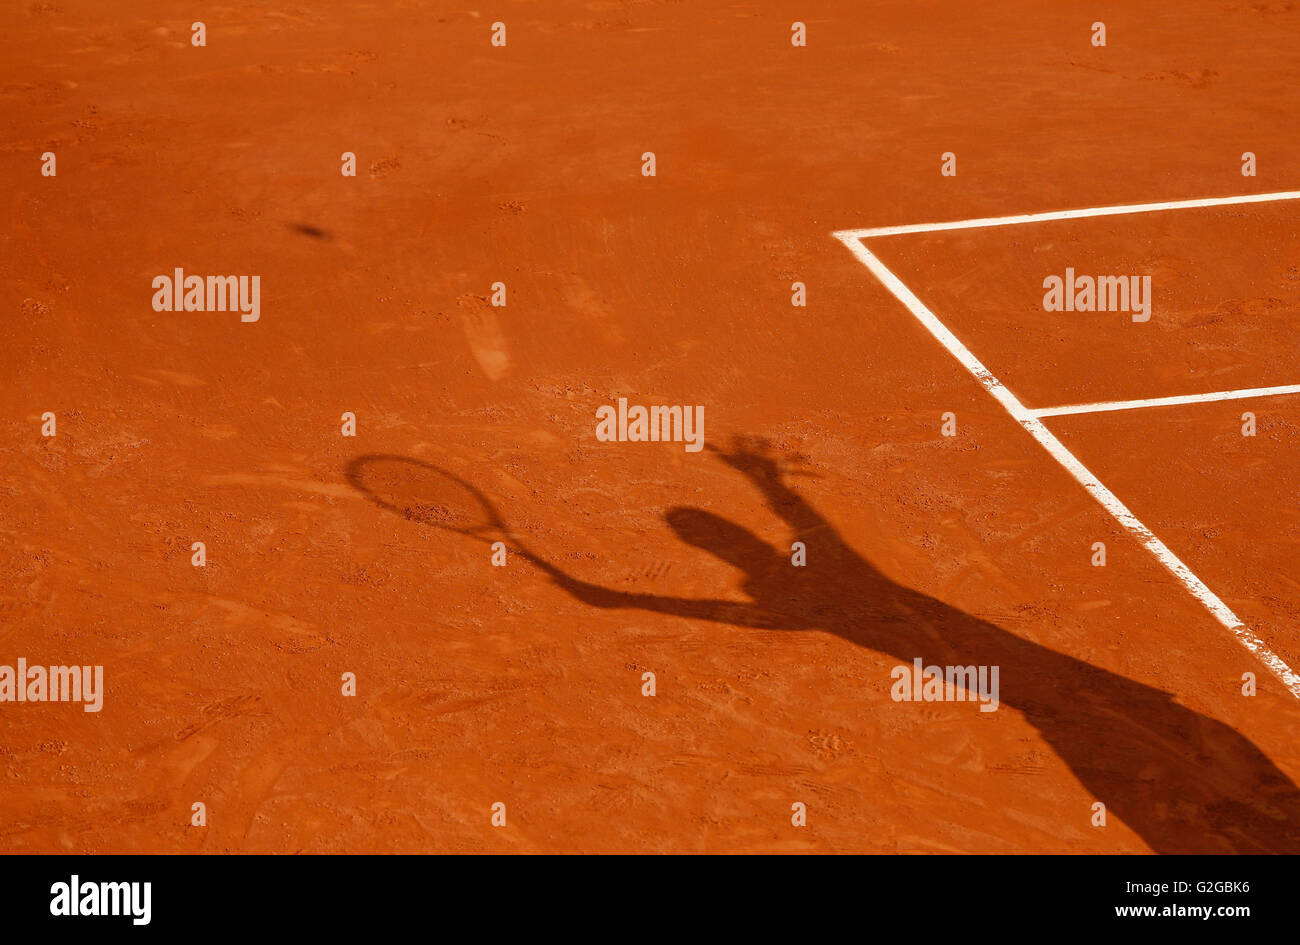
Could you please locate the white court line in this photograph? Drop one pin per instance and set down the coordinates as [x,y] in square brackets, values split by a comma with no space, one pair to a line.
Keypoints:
[1240,394]
[1027,418]
[1065,215]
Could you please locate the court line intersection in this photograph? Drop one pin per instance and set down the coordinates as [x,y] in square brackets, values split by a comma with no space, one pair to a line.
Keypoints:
[1031,419]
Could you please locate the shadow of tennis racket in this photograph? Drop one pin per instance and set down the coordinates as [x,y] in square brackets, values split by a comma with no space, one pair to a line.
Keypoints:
[430,495]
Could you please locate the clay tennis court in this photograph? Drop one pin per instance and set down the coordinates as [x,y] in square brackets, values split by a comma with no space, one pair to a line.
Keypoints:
[522,685]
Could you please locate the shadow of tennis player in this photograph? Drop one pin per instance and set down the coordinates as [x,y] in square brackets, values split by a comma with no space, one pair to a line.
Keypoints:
[1184,782]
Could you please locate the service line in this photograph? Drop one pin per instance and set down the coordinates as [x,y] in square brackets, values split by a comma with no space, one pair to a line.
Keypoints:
[1240,394]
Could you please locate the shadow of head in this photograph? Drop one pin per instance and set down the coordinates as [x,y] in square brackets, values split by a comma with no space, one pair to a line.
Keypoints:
[720,537]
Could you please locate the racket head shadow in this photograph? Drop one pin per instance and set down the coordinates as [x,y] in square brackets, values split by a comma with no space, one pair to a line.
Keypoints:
[427,494]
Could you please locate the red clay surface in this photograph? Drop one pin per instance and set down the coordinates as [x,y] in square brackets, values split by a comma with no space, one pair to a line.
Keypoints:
[523,685]
[1233,516]
[1225,286]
